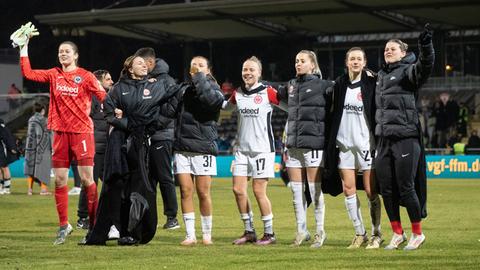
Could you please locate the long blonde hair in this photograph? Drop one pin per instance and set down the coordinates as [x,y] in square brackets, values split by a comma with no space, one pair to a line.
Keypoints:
[313,57]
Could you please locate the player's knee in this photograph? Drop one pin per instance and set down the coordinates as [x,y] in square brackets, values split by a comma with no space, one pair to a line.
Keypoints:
[239,191]
[349,190]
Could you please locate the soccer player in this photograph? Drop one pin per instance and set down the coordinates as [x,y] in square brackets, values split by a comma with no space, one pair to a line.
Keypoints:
[71,90]
[100,128]
[195,147]
[162,141]
[307,100]
[400,160]
[255,152]
[351,143]
[132,108]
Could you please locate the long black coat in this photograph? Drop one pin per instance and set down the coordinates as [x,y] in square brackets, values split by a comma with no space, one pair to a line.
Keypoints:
[332,183]
[141,102]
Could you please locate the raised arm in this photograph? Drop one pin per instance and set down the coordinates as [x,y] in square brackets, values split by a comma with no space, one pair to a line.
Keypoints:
[419,72]
[207,92]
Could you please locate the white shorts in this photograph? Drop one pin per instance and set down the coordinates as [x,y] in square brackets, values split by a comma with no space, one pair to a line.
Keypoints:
[256,165]
[355,159]
[194,163]
[300,158]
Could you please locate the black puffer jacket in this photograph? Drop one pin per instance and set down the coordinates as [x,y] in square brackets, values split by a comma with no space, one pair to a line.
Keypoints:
[307,100]
[100,125]
[196,127]
[140,101]
[396,92]
[165,124]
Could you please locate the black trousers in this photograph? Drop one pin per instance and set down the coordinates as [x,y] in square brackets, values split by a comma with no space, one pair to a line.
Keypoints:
[98,160]
[396,167]
[161,172]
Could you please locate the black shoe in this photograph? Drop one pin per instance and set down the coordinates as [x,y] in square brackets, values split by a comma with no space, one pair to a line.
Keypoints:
[171,224]
[127,241]
[83,223]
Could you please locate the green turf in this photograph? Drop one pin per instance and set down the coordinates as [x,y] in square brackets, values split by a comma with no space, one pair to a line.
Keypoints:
[28,225]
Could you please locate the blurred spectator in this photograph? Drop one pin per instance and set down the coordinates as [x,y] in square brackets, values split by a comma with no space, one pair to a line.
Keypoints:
[13,96]
[38,151]
[227,89]
[223,143]
[446,112]
[459,147]
[455,138]
[473,145]
[462,119]
[427,120]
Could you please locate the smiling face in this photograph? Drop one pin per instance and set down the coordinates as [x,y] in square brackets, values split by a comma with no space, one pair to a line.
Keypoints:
[139,68]
[304,64]
[201,64]
[250,73]
[393,53]
[67,55]
[355,61]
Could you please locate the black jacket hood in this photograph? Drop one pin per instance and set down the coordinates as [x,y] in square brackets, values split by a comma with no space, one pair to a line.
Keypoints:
[161,67]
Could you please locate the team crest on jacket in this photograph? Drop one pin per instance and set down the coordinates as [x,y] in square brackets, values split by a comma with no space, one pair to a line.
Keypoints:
[77,79]
[257,99]
[146,92]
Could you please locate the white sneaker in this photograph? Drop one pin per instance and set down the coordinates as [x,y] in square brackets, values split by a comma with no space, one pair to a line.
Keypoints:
[397,239]
[1,190]
[74,191]
[113,234]
[416,240]
[6,191]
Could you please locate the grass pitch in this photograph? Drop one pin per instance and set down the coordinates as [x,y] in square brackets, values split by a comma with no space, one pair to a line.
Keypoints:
[28,225]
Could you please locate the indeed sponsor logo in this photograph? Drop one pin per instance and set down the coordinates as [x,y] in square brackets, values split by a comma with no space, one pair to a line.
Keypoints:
[353,108]
[67,90]
[249,111]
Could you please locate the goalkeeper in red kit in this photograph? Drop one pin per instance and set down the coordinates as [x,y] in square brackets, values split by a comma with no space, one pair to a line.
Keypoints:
[71,90]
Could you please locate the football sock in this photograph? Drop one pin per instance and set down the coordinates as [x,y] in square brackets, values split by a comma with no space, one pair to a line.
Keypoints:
[43,187]
[206,224]
[189,219]
[92,202]
[353,209]
[30,182]
[376,214]
[6,183]
[268,223]
[247,222]
[396,226]
[299,206]
[61,200]
[417,227]
[319,204]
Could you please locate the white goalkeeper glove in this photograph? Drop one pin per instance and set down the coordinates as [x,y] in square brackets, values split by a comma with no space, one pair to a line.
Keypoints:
[23,34]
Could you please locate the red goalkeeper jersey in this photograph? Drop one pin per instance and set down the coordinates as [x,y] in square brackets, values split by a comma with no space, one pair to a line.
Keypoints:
[70,96]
